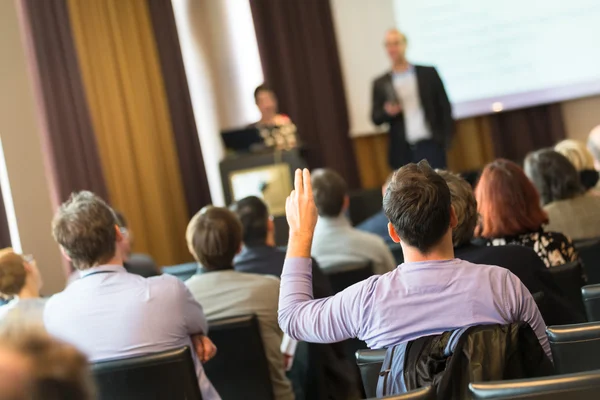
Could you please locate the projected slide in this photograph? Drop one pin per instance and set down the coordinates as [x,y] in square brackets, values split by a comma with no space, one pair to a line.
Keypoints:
[495,55]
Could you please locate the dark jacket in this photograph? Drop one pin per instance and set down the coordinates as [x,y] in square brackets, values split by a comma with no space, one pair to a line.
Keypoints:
[437,108]
[378,225]
[452,360]
[531,270]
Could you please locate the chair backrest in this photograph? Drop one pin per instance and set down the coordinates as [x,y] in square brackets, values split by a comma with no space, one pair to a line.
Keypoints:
[182,271]
[142,264]
[240,367]
[569,279]
[575,348]
[166,375]
[591,300]
[344,275]
[364,204]
[370,362]
[426,393]
[589,253]
[572,387]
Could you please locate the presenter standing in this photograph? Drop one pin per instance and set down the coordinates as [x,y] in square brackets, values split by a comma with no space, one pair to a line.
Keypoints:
[413,101]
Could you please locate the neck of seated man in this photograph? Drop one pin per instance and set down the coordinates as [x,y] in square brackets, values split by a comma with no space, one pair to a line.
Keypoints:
[441,251]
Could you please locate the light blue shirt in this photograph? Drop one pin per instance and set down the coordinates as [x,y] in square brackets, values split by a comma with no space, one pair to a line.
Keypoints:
[109,313]
[414,300]
[407,90]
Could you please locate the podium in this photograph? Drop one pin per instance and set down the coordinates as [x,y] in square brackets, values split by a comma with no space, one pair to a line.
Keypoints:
[268,175]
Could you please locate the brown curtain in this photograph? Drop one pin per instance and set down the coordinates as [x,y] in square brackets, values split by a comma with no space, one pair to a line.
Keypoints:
[516,133]
[191,164]
[70,148]
[299,55]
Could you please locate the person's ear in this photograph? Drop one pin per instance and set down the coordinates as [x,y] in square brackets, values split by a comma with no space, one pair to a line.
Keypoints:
[270,224]
[240,248]
[346,205]
[453,218]
[119,234]
[393,234]
[64,254]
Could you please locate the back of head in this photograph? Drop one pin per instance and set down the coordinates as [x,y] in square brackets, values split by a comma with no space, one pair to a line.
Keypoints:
[214,237]
[507,202]
[121,220]
[465,206]
[417,203]
[254,216]
[329,191]
[553,175]
[50,369]
[12,272]
[577,153]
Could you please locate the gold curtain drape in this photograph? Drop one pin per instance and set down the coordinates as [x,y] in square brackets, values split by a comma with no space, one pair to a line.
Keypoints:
[125,90]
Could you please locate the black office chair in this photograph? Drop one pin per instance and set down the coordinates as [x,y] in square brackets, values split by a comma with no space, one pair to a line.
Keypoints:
[142,265]
[344,275]
[364,204]
[572,387]
[396,250]
[575,348]
[240,367]
[426,393]
[370,362]
[591,300]
[569,279]
[589,253]
[166,375]
[182,271]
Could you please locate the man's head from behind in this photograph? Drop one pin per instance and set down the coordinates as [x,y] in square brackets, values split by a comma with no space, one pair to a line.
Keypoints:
[329,191]
[418,205]
[86,229]
[465,207]
[214,237]
[256,221]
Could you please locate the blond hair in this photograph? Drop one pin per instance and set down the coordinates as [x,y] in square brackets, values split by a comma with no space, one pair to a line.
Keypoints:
[12,272]
[577,153]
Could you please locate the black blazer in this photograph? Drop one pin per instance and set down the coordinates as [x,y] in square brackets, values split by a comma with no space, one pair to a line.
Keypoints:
[437,108]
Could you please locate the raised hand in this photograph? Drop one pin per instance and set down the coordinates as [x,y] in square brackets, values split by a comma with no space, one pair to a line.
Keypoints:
[301,215]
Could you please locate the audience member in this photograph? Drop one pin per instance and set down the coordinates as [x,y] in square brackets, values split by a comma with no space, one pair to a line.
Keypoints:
[377,224]
[109,313]
[594,146]
[583,161]
[571,210]
[135,263]
[432,292]
[214,237]
[20,277]
[34,366]
[510,213]
[336,241]
[520,260]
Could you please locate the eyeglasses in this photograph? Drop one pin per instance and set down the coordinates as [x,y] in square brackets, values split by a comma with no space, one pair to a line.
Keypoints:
[28,258]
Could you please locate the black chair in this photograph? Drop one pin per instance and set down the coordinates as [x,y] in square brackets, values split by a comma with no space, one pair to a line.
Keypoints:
[142,265]
[569,279]
[591,300]
[344,275]
[589,253]
[426,393]
[370,362]
[182,271]
[364,204]
[572,387]
[166,375]
[240,367]
[575,348]
[396,250]
[538,297]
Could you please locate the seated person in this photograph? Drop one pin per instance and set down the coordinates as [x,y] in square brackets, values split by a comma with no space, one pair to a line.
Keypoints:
[214,237]
[277,130]
[377,224]
[259,254]
[430,293]
[109,313]
[510,213]
[20,277]
[336,241]
[582,159]
[34,365]
[520,260]
[571,210]
[135,263]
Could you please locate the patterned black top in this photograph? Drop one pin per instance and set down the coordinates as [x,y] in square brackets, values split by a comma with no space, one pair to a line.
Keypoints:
[553,248]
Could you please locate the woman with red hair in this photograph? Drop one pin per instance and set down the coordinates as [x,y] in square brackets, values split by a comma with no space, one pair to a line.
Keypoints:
[510,213]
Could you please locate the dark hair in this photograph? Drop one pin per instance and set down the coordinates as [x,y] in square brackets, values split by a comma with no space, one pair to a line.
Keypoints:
[84,226]
[121,221]
[553,175]
[254,216]
[417,203]
[261,88]
[507,202]
[465,207]
[214,236]
[329,191]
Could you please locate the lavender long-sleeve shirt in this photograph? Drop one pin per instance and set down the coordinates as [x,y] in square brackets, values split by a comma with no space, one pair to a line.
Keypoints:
[416,299]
